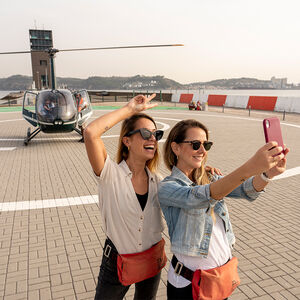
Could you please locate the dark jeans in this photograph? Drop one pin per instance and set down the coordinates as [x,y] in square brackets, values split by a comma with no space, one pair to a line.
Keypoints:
[185,293]
[110,288]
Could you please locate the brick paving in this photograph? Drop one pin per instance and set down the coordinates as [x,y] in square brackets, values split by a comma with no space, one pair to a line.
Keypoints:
[55,253]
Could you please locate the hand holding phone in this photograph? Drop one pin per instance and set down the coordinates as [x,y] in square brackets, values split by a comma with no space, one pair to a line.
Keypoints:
[272,131]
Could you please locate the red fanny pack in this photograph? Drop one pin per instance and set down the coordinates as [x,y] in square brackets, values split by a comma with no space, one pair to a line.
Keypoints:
[137,267]
[215,284]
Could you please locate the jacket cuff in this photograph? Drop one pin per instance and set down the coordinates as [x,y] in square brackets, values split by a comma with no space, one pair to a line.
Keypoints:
[249,189]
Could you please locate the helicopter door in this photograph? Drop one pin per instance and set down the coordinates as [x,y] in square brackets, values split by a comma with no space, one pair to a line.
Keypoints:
[29,102]
[84,107]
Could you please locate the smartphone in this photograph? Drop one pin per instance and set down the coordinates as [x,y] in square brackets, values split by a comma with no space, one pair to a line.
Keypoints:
[272,131]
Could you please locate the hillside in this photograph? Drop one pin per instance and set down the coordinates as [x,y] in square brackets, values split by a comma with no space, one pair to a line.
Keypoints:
[141,82]
[19,82]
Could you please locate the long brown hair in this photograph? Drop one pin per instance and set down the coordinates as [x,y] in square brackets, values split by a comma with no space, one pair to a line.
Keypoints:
[127,126]
[177,135]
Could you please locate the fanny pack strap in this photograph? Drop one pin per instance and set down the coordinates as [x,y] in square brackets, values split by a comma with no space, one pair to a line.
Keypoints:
[181,270]
[110,250]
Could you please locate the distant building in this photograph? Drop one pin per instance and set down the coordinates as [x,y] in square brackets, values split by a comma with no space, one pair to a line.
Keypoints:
[40,40]
[279,83]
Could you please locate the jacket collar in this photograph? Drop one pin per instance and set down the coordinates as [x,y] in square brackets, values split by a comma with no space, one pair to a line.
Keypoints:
[180,175]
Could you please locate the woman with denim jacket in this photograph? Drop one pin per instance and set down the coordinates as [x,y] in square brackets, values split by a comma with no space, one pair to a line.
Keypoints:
[192,201]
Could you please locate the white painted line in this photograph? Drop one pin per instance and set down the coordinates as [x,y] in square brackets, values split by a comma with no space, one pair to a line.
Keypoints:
[3,121]
[89,199]
[7,148]
[42,139]
[39,204]
[288,173]
[186,116]
[164,127]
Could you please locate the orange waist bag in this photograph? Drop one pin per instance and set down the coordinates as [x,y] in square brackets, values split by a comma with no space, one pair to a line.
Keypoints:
[216,284]
[137,267]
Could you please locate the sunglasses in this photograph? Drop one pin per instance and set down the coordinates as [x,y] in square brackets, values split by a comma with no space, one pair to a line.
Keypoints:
[197,144]
[146,134]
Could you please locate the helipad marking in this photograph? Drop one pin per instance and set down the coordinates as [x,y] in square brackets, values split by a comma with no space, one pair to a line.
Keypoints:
[12,120]
[7,148]
[185,114]
[288,173]
[38,204]
[164,127]
[82,200]
[219,116]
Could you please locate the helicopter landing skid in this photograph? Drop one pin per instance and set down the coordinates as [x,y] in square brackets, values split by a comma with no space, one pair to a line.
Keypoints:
[30,135]
[78,131]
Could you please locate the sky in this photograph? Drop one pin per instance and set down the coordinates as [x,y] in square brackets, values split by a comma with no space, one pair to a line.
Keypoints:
[222,38]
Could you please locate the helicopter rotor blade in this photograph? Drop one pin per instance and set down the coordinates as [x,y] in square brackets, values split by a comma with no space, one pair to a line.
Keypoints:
[15,52]
[122,47]
[20,52]
[96,48]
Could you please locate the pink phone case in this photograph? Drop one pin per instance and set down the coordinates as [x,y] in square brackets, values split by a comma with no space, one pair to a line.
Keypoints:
[272,131]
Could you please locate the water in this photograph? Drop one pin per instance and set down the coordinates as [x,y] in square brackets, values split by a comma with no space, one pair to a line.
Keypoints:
[4,93]
[282,93]
[279,93]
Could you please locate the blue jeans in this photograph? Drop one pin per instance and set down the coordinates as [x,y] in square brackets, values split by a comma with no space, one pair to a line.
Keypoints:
[110,288]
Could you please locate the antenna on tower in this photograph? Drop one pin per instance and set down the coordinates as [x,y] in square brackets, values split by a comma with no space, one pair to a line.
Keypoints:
[35,24]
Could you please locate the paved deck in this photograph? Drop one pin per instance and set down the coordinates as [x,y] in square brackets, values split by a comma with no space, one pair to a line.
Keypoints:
[50,247]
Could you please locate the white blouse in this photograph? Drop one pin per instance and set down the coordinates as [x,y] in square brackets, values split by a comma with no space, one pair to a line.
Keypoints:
[218,254]
[130,228]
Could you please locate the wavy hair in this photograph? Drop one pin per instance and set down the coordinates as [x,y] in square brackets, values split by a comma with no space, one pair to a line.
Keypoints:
[178,135]
[127,126]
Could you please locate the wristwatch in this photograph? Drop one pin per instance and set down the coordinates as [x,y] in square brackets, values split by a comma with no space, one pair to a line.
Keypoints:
[265,177]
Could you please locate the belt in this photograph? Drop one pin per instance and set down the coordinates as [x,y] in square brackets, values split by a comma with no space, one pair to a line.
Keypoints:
[110,250]
[181,270]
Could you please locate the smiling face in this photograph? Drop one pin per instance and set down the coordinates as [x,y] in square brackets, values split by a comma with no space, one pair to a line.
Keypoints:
[138,147]
[188,158]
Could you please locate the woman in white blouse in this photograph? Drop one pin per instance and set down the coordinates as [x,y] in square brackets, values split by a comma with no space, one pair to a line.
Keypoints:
[127,193]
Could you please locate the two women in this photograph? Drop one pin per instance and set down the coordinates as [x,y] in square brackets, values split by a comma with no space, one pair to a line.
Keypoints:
[197,216]
[191,199]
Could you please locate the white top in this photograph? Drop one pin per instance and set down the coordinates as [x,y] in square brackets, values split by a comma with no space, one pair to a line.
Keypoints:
[218,254]
[130,228]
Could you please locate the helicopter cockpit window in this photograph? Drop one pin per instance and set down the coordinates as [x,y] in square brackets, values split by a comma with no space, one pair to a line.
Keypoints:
[82,100]
[57,105]
[29,101]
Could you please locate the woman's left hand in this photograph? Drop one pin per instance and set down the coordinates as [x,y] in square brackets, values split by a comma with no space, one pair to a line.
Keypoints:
[213,170]
[141,102]
[280,167]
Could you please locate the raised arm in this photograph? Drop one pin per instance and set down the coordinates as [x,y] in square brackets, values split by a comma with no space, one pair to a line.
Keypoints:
[266,158]
[92,134]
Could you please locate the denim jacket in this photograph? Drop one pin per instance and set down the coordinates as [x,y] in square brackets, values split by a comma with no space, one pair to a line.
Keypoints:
[186,208]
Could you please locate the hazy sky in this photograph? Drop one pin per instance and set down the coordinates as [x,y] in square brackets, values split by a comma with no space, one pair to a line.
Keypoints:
[223,38]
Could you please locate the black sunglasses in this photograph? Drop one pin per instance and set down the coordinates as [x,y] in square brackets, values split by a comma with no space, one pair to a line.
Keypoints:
[146,134]
[197,144]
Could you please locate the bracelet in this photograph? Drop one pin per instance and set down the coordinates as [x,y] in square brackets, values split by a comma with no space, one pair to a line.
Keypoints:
[265,177]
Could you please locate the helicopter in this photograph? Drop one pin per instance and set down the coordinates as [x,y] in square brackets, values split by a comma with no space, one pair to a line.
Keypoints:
[60,110]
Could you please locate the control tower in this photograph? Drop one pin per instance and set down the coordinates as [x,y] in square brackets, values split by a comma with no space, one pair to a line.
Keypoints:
[40,61]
